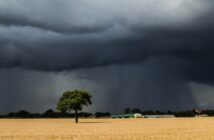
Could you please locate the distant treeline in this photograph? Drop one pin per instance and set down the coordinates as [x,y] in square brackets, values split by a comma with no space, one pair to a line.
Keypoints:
[52,114]
[188,113]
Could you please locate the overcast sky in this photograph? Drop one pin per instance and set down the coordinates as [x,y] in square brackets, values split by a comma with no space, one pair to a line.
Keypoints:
[149,54]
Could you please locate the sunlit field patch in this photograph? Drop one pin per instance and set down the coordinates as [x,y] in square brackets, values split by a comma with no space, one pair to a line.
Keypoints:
[108,129]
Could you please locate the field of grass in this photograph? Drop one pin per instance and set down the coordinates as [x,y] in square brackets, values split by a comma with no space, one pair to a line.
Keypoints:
[108,129]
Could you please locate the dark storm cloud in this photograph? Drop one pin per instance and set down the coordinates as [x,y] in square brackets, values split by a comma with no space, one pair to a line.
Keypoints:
[17,20]
[56,16]
[159,45]
[191,45]
[104,41]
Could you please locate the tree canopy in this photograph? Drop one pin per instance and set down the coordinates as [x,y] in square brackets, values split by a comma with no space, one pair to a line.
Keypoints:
[74,100]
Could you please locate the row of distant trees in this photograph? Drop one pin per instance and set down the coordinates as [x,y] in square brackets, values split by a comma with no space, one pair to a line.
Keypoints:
[52,114]
[187,113]
[148,112]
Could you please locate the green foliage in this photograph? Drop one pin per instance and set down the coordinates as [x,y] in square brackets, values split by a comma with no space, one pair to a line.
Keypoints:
[73,100]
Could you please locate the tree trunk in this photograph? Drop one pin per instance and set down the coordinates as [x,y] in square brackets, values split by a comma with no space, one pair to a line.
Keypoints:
[76,116]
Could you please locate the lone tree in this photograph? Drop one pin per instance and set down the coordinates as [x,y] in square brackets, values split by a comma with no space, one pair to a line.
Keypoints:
[74,100]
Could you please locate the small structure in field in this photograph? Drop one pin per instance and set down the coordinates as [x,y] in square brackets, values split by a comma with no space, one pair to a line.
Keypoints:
[135,115]
[138,115]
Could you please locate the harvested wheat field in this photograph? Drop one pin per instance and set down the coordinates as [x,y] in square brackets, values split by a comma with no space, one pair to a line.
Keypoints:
[108,129]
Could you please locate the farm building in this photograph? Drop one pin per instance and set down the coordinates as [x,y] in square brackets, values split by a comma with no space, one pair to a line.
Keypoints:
[136,115]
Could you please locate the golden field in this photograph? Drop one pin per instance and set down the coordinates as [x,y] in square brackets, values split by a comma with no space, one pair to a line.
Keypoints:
[108,129]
